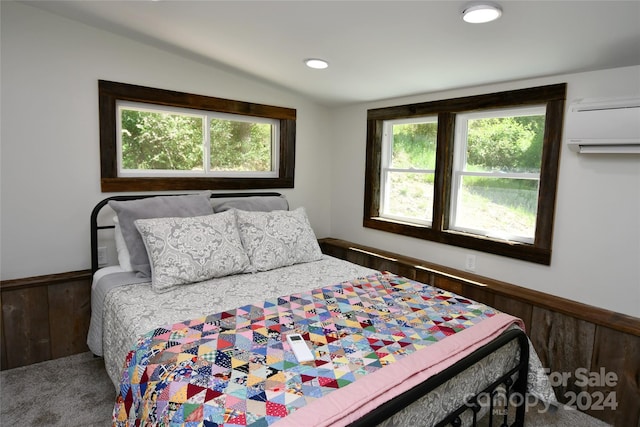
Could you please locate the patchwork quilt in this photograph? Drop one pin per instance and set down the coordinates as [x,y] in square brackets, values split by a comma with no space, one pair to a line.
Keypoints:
[235,368]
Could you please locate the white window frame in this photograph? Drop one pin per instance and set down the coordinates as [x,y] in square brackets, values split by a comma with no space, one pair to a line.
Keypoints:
[206,116]
[386,167]
[460,161]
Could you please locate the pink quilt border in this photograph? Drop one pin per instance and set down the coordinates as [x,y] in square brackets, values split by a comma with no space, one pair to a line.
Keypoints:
[346,405]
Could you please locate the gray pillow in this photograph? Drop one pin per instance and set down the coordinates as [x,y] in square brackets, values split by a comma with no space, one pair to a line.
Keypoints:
[154,207]
[251,203]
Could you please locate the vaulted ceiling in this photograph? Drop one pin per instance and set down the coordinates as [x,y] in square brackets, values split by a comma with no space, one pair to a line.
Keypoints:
[376,49]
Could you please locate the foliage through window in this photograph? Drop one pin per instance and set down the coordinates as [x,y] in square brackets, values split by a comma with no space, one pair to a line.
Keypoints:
[153,139]
[408,169]
[161,142]
[478,172]
[496,173]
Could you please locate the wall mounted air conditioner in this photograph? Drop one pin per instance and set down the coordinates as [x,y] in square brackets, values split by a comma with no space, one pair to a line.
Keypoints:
[609,125]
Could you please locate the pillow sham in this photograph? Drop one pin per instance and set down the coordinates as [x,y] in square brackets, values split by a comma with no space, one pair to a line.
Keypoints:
[278,238]
[251,203]
[154,207]
[192,249]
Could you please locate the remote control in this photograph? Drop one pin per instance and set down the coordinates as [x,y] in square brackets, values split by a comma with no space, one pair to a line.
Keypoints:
[299,348]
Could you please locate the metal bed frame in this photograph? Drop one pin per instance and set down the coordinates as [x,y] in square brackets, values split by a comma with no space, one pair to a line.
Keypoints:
[511,387]
[505,383]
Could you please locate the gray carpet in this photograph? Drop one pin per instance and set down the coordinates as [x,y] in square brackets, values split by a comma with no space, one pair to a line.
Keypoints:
[76,391]
[71,391]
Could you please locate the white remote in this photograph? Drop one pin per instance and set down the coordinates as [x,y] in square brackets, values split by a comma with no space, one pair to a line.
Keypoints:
[299,348]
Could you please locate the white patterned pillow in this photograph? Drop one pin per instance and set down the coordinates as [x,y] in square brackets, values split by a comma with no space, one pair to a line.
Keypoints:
[192,249]
[277,238]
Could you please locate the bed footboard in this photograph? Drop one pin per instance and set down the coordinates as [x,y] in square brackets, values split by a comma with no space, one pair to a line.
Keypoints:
[501,390]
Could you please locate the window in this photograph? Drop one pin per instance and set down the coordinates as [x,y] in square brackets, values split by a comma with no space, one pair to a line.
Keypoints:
[160,141]
[409,162]
[477,172]
[496,173]
[153,139]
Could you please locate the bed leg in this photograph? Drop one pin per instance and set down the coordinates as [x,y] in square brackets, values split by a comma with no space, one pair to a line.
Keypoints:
[520,386]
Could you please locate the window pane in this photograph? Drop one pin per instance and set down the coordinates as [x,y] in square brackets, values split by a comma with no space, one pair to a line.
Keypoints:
[506,144]
[240,146]
[500,206]
[161,141]
[414,145]
[410,195]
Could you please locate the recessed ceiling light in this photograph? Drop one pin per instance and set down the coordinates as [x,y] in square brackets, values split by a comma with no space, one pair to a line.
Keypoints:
[316,63]
[479,13]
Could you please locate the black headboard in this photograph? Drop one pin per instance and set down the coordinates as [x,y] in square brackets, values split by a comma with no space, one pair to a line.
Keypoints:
[96,211]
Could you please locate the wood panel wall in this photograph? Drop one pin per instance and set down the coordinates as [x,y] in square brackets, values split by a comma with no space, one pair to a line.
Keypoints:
[44,317]
[570,338]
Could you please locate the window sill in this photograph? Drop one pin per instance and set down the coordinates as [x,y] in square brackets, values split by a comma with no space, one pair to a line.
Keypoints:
[511,249]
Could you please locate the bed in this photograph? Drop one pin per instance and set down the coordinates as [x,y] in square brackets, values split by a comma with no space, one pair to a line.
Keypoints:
[190,339]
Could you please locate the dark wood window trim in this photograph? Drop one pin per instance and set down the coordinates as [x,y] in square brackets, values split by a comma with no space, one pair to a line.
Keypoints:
[110,92]
[553,96]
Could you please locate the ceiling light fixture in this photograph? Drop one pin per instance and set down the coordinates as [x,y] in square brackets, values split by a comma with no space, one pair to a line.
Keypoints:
[481,12]
[318,64]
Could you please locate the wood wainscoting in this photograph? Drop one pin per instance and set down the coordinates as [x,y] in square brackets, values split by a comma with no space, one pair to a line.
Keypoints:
[44,317]
[583,344]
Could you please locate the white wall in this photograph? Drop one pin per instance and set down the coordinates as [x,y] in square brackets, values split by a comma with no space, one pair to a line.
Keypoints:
[596,247]
[50,170]
[50,163]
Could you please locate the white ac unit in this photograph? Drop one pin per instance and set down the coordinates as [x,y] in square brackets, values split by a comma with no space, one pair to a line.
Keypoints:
[609,125]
